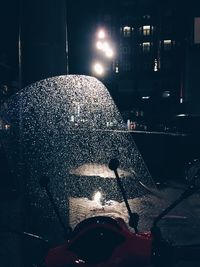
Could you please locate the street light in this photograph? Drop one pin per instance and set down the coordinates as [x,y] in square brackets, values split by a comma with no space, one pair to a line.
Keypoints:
[99,45]
[109,53]
[105,47]
[105,52]
[101,34]
[98,68]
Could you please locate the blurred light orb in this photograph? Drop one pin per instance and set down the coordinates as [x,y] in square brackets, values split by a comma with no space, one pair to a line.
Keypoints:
[98,68]
[99,45]
[109,53]
[101,34]
[105,46]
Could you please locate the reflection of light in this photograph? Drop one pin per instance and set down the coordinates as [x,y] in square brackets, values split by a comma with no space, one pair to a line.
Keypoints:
[98,170]
[97,197]
[98,68]
[182,115]
[79,261]
[145,97]
[81,208]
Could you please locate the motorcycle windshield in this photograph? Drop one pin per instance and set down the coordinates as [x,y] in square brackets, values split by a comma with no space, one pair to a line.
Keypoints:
[68,128]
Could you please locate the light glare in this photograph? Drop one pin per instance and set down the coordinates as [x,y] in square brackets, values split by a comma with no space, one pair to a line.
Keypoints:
[105,46]
[109,53]
[101,34]
[98,68]
[99,45]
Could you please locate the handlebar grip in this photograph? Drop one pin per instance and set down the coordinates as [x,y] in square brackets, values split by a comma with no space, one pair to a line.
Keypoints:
[187,252]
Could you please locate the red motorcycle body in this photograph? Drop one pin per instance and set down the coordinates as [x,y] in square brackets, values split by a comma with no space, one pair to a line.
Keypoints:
[102,242]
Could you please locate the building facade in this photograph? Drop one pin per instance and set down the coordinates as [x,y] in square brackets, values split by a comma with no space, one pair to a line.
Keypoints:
[151,70]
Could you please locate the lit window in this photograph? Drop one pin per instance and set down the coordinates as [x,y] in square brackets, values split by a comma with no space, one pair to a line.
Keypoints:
[146,17]
[126,31]
[146,47]
[115,67]
[7,126]
[146,30]
[167,44]
[166,94]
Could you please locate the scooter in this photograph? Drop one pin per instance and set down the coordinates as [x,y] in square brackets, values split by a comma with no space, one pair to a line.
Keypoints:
[102,241]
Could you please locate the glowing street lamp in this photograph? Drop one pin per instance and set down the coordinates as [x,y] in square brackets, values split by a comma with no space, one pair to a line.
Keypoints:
[101,34]
[104,45]
[99,45]
[109,53]
[98,68]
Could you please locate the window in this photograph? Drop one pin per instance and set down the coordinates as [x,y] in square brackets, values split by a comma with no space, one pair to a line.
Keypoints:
[146,47]
[155,65]
[166,94]
[146,30]
[116,68]
[126,31]
[167,44]
[146,17]
[126,49]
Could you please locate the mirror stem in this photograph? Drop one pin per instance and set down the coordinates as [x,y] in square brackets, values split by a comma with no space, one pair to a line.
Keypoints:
[133,217]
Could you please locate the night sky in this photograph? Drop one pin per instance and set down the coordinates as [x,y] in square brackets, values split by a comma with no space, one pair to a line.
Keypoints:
[82,20]
[9,38]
